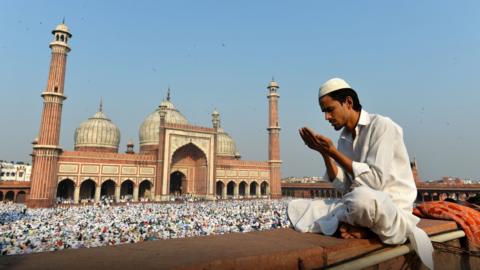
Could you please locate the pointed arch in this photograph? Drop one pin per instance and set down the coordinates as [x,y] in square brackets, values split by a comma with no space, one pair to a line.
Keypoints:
[264,188]
[126,189]
[191,149]
[20,198]
[9,196]
[66,189]
[107,190]
[145,189]
[87,189]
[219,188]
[242,188]
[191,144]
[231,188]
[254,188]
[195,169]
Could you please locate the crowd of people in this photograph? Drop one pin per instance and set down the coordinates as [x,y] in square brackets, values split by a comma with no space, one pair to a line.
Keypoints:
[24,231]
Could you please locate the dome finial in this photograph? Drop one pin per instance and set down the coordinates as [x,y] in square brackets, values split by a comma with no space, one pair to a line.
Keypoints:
[100,108]
[63,21]
[168,93]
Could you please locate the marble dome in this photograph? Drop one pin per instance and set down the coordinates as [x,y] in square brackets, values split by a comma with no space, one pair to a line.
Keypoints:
[225,144]
[149,129]
[97,131]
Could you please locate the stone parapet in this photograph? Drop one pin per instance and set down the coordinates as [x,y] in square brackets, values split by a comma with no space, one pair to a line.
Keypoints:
[241,163]
[105,155]
[186,127]
[275,249]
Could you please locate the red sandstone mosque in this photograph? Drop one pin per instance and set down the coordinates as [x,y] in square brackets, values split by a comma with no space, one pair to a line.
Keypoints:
[175,157]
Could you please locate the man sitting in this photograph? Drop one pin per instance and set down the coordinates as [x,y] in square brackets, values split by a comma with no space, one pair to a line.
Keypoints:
[371,167]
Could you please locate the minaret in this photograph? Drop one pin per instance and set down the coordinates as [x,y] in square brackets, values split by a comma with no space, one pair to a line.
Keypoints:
[159,194]
[274,140]
[415,173]
[216,126]
[46,152]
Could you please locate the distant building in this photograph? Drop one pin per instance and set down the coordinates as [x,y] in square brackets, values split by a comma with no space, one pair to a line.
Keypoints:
[175,158]
[448,187]
[14,181]
[471,181]
[15,171]
[416,175]
[305,179]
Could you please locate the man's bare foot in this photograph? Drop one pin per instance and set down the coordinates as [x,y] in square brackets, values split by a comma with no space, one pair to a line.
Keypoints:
[348,231]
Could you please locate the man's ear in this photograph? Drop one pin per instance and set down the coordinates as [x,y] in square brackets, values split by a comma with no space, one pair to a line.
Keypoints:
[349,102]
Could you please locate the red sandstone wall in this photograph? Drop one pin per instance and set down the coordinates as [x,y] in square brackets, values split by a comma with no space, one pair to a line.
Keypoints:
[103,157]
[96,149]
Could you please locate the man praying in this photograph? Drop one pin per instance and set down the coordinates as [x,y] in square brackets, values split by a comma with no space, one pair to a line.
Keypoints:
[370,165]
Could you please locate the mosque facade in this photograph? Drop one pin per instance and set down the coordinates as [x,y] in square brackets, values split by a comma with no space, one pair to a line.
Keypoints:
[175,158]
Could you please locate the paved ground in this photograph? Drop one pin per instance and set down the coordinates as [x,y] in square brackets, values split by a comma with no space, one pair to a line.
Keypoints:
[277,249]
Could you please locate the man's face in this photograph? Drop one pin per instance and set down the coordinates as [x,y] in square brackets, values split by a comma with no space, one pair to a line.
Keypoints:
[335,112]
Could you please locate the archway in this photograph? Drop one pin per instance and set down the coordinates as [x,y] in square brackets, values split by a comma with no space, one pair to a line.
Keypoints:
[87,189]
[145,189]
[65,189]
[426,197]
[242,189]
[194,159]
[219,188]
[264,188]
[1,196]
[126,190]
[178,183]
[20,197]
[253,189]
[9,196]
[230,188]
[108,189]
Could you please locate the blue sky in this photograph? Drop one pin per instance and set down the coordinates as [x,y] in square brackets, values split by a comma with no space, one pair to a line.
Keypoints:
[414,61]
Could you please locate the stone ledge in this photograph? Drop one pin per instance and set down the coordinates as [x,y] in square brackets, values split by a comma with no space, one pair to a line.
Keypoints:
[277,249]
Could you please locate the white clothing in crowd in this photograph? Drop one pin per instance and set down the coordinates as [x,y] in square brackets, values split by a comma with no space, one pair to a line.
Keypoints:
[25,231]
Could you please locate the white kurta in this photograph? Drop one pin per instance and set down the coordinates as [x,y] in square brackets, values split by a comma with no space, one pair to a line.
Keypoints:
[380,193]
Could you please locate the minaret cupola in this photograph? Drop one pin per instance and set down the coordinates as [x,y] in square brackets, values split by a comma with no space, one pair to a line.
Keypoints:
[61,35]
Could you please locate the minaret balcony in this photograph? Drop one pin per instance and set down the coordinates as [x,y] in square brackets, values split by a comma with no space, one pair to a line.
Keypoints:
[48,93]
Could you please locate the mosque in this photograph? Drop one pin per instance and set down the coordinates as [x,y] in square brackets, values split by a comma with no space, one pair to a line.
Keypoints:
[174,158]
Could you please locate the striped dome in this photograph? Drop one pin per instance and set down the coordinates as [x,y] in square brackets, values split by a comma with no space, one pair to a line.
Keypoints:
[149,129]
[225,144]
[97,131]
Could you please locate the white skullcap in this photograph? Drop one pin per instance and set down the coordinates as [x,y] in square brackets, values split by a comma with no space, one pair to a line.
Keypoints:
[331,85]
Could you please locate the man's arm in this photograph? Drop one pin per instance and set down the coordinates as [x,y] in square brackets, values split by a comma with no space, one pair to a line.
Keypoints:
[332,152]
[332,169]
[329,152]
[386,153]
